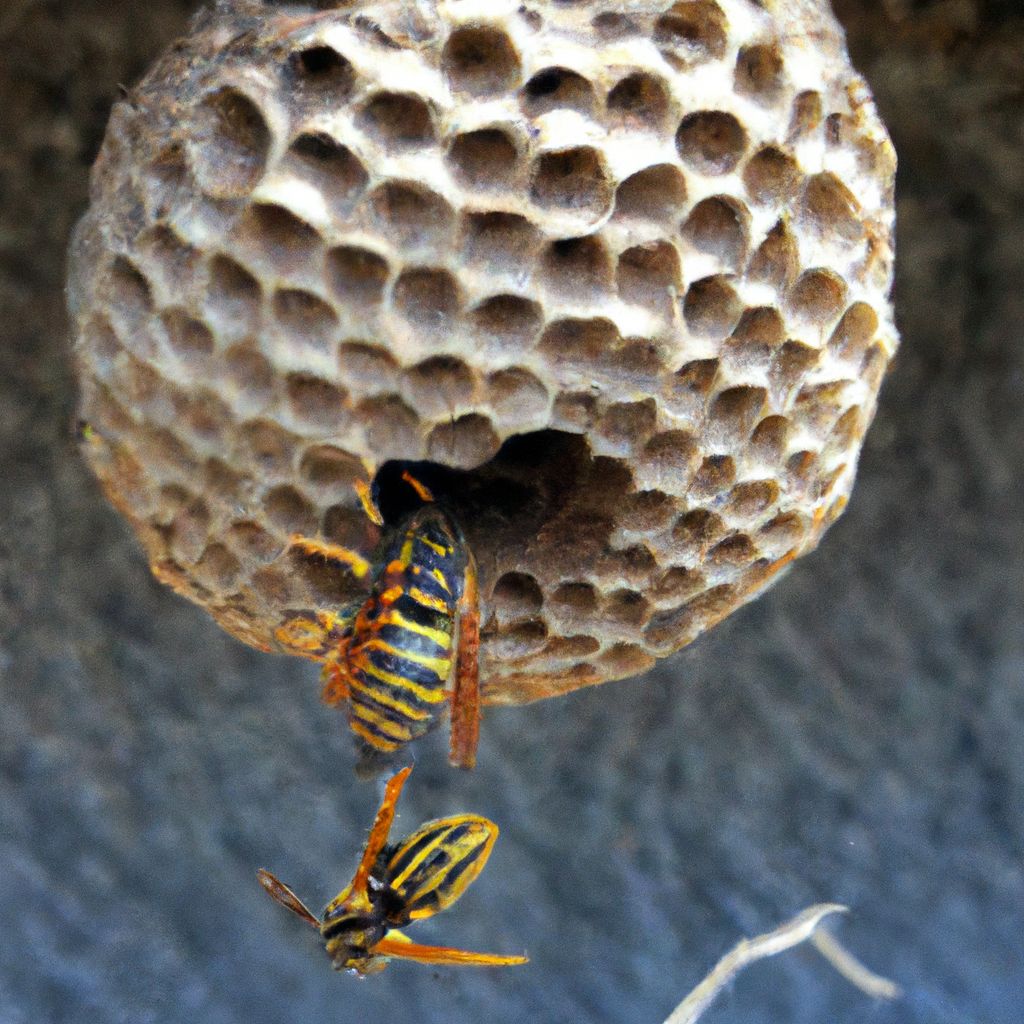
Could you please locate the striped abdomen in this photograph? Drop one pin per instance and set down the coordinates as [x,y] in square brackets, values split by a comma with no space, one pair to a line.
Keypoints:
[400,656]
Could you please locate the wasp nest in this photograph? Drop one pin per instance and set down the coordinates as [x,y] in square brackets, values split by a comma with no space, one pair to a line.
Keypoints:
[613,276]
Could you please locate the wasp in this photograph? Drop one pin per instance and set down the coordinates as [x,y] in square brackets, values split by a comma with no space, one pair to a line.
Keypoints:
[396,884]
[412,647]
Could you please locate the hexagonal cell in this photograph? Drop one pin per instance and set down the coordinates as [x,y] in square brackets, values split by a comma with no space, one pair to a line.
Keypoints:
[507,322]
[691,32]
[830,209]
[438,386]
[411,215]
[189,338]
[284,243]
[577,269]
[497,241]
[711,141]
[572,180]
[516,597]
[307,321]
[427,297]
[485,160]
[397,120]
[649,275]
[464,443]
[480,60]
[357,276]
[316,402]
[655,193]
[760,73]
[777,259]
[640,102]
[229,144]
[717,227]
[854,332]
[517,396]
[233,297]
[771,176]
[711,307]
[320,77]
[817,298]
[367,368]
[557,89]
[333,169]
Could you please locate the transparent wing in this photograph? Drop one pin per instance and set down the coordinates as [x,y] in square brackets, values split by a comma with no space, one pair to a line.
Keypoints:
[434,866]
[283,894]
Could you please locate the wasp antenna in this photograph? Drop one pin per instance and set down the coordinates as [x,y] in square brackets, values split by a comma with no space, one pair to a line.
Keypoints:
[370,507]
[424,492]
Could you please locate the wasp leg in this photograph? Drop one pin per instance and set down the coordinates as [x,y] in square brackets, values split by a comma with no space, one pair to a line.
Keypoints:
[335,680]
[465,699]
[379,832]
[358,565]
[395,944]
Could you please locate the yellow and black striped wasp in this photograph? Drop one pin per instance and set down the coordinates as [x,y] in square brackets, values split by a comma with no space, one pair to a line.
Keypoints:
[399,883]
[412,646]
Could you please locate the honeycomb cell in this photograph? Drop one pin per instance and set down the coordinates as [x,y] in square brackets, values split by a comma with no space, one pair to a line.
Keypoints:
[229,144]
[640,102]
[438,386]
[316,402]
[409,214]
[233,297]
[649,275]
[711,141]
[282,242]
[613,277]
[484,160]
[518,397]
[655,194]
[480,60]
[577,268]
[718,227]
[711,307]
[308,322]
[572,181]
[332,168]
[357,276]
[771,176]
[320,77]
[557,89]
[760,73]
[507,323]
[189,338]
[427,298]
[692,32]
[464,443]
[397,121]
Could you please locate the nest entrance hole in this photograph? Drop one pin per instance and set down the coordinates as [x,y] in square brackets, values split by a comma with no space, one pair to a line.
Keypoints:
[542,505]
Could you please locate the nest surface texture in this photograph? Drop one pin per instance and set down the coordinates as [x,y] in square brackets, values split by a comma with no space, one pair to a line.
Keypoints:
[612,278]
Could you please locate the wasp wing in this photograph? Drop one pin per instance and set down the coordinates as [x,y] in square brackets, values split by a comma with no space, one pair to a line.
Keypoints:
[430,869]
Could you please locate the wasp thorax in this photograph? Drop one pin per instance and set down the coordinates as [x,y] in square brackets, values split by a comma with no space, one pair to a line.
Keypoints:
[618,272]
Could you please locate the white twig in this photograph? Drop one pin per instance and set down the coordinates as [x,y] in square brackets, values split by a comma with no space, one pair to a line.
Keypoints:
[792,933]
[852,969]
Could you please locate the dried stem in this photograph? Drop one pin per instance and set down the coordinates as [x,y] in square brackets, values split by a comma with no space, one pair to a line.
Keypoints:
[792,933]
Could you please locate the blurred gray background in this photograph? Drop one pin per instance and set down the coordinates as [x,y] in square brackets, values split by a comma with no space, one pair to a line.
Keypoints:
[855,735]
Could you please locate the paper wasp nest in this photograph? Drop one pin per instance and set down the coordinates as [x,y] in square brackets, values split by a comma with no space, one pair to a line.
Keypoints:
[617,271]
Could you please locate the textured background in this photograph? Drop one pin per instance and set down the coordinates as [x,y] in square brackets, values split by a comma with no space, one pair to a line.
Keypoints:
[855,735]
